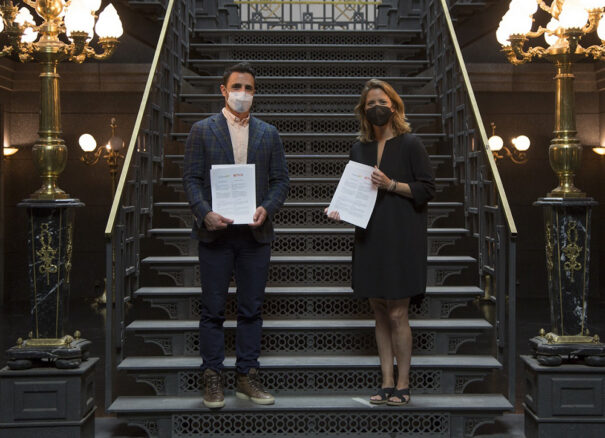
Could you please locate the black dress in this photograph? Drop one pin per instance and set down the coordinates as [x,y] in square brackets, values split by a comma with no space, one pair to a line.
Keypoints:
[389,256]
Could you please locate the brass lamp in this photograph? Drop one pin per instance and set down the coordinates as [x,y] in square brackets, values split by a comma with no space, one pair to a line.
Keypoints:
[112,152]
[566,208]
[64,35]
[70,21]
[517,153]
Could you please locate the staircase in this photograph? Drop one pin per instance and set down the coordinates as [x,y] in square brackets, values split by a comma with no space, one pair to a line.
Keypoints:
[318,350]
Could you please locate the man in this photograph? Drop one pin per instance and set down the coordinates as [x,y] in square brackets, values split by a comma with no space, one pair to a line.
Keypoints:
[234,137]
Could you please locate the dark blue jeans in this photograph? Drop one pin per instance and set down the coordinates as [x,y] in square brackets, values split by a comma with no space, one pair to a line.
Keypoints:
[235,251]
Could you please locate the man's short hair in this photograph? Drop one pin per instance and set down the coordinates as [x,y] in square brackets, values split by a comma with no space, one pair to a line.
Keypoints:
[242,67]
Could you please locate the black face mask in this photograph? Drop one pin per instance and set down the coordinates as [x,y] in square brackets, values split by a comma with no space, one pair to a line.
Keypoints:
[379,115]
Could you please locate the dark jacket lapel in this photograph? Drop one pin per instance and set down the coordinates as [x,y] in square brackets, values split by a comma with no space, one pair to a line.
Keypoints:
[221,130]
[255,134]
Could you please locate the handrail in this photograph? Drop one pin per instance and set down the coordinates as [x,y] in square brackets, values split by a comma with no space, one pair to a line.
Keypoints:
[132,207]
[111,221]
[477,114]
[487,212]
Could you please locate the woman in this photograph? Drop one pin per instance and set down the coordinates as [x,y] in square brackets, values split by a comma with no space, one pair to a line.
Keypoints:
[389,256]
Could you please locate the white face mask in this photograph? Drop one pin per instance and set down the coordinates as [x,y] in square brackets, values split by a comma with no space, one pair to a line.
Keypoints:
[239,101]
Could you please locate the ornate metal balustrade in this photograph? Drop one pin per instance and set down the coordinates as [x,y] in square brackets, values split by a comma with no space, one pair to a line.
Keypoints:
[132,207]
[308,14]
[487,212]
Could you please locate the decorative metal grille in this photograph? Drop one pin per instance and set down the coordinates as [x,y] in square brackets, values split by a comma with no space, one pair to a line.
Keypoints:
[304,106]
[306,307]
[326,69]
[308,423]
[292,15]
[318,146]
[307,191]
[316,53]
[317,38]
[325,381]
[303,216]
[318,125]
[316,341]
[271,86]
[324,167]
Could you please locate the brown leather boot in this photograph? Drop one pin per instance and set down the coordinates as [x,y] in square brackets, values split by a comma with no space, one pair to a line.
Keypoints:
[249,387]
[213,389]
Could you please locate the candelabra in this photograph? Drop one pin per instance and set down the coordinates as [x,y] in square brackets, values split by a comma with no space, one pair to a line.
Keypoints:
[65,34]
[517,153]
[567,209]
[111,152]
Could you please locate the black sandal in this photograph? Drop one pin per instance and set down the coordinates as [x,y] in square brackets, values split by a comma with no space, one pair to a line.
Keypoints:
[384,394]
[401,394]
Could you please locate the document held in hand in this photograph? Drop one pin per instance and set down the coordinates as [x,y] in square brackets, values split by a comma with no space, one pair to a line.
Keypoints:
[355,195]
[234,191]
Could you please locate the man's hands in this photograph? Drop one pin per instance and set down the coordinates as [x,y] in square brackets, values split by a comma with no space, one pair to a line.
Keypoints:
[259,217]
[334,215]
[214,221]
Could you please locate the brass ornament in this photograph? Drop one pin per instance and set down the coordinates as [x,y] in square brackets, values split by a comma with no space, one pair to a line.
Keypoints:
[47,253]
[572,250]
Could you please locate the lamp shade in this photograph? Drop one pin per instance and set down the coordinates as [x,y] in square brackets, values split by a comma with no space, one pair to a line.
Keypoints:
[1,23]
[524,7]
[79,18]
[93,5]
[593,4]
[116,143]
[521,143]
[552,25]
[87,142]
[109,24]
[8,151]
[495,143]
[573,15]
[24,18]
[601,28]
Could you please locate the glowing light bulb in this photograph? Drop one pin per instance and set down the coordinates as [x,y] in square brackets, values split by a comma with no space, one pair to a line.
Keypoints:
[495,143]
[87,142]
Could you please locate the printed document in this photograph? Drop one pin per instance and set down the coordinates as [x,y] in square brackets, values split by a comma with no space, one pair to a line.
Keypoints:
[355,195]
[234,191]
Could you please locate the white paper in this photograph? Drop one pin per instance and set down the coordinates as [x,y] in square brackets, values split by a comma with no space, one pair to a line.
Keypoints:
[234,191]
[355,195]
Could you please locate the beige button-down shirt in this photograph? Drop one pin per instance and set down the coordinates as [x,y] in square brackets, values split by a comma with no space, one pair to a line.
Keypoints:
[238,131]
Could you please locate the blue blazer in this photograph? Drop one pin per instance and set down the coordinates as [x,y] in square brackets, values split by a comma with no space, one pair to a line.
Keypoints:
[209,143]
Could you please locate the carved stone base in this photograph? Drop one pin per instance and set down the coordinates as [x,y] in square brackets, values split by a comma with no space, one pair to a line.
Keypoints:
[48,402]
[564,401]
[30,354]
[554,354]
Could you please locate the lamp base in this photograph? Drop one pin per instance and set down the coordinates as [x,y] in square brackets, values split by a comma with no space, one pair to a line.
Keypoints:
[45,352]
[551,351]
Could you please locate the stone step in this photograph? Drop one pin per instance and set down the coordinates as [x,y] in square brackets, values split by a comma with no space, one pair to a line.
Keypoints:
[172,376]
[331,85]
[308,302]
[454,416]
[294,68]
[321,165]
[350,336]
[308,241]
[309,188]
[304,214]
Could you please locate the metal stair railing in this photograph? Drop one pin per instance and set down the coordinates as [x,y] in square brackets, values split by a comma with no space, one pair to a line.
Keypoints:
[308,14]
[487,212]
[132,207]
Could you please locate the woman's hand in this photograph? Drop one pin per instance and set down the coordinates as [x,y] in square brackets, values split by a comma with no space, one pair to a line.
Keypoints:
[380,180]
[332,215]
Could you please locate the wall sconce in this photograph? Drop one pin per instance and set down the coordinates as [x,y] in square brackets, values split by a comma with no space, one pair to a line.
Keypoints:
[517,153]
[600,150]
[7,151]
[111,152]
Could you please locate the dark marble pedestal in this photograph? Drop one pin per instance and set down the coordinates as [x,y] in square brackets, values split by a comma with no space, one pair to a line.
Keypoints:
[49,245]
[48,402]
[565,401]
[567,235]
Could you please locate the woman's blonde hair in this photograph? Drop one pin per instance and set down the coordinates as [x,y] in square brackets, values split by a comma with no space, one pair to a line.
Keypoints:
[398,122]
